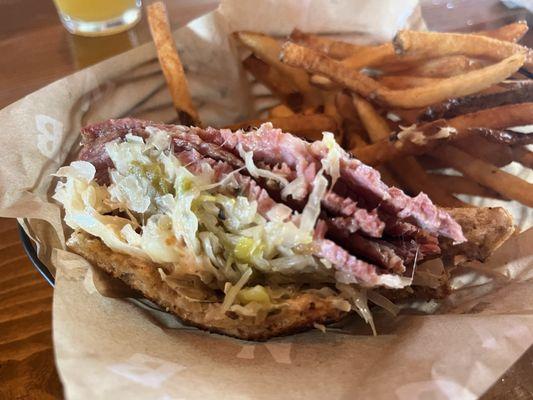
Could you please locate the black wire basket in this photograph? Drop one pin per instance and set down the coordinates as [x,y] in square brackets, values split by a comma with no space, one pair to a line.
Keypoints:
[31,252]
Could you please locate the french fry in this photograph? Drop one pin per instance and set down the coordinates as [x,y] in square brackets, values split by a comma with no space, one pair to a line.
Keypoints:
[504,137]
[331,110]
[280,111]
[481,148]
[457,184]
[171,63]
[493,118]
[523,156]
[406,81]
[267,49]
[323,82]
[407,170]
[334,48]
[422,96]
[444,67]
[437,44]
[387,149]
[376,126]
[344,104]
[370,56]
[407,116]
[353,139]
[509,33]
[330,107]
[272,78]
[307,126]
[315,62]
[366,57]
[486,174]
[388,177]
[378,153]
[518,92]
[354,134]
[456,86]
[353,53]
[431,164]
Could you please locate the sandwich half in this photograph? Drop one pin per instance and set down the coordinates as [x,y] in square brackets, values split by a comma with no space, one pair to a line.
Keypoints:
[253,234]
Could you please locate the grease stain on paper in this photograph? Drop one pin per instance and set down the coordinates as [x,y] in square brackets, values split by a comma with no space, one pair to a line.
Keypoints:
[146,370]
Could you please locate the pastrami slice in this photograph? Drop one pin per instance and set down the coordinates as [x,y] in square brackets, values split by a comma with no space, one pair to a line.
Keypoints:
[292,157]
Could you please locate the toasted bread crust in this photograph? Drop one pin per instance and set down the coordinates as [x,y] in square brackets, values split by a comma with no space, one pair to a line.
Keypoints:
[301,312]
[486,229]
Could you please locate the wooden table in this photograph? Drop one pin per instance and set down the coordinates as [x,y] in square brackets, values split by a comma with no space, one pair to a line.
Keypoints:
[36,50]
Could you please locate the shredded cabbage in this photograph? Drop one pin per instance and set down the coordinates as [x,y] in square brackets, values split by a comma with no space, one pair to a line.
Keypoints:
[359,302]
[311,210]
[232,291]
[297,188]
[383,302]
[256,172]
[331,163]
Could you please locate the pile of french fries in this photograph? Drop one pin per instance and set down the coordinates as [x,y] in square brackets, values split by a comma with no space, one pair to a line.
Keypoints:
[416,108]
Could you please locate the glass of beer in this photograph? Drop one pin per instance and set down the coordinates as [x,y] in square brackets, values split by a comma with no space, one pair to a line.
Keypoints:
[98,17]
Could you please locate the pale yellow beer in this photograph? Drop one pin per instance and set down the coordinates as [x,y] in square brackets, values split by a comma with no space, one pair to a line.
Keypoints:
[98,17]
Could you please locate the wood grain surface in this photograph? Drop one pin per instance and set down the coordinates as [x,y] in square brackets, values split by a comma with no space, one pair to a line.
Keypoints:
[36,50]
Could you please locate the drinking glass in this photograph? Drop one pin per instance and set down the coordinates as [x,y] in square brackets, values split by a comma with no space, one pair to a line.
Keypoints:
[98,17]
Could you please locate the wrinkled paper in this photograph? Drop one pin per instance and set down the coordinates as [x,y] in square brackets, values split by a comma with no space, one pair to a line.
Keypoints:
[111,346]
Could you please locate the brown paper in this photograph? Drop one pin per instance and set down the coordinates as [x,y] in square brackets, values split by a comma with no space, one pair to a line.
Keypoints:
[113,347]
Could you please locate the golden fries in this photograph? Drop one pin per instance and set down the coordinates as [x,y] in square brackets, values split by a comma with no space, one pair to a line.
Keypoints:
[485,150]
[333,48]
[510,138]
[280,111]
[285,89]
[422,96]
[509,33]
[518,92]
[436,44]
[406,81]
[385,150]
[523,156]
[444,67]
[456,86]
[315,62]
[171,64]
[267,49]
[370,56]
[376,127]
[493,118]
[509,186]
